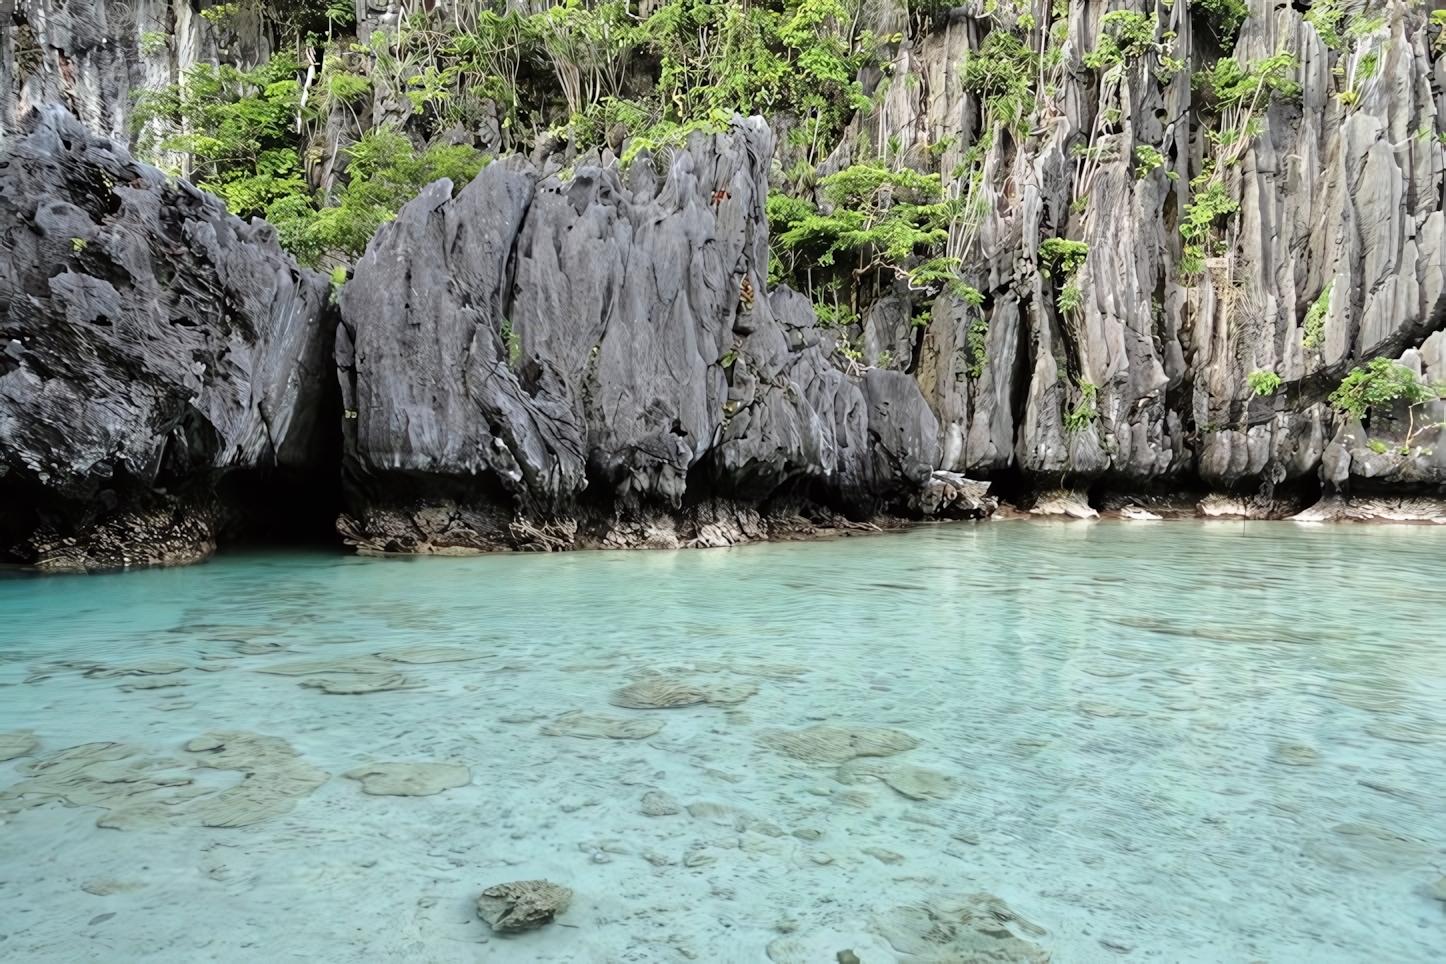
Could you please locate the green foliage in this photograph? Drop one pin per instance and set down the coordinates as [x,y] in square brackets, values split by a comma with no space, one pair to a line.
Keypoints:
[1315,317]
[1263,383]
[1326,17]
[1382,382]
[78,245]
[339,278]
[1200,217]
[1147,157]
[1234,84]
[512,342]
[153,42]
[975,346]
[235,128]
[237,132]
[220,13]
[1124,36]
[1002,73]
[1070,298]
[835,314]
[1222,17]
[717,57]
[1060,259]
[386,172]
[1083,414]
[1378,446]
[341,12]
[888,220]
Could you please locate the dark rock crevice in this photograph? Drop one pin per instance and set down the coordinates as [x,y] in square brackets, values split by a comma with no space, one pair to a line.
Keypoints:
[155,346]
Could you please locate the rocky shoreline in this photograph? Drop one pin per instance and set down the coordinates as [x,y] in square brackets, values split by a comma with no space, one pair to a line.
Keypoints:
[530,363]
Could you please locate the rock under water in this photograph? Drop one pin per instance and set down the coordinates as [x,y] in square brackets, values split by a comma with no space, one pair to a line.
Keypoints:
[522,904]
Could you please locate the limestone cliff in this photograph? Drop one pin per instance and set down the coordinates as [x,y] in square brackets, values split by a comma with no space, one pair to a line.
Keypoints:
[544,363]
[151,345]
[1185,222]
[1333,178]
[92,55]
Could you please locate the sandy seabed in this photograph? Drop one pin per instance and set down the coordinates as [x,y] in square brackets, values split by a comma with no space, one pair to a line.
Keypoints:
[1195,743]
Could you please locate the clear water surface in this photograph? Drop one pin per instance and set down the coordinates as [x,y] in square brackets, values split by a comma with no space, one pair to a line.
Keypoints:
[1215,742]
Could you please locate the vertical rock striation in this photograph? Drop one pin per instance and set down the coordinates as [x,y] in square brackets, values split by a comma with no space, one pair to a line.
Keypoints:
[545,363]
[150,345]
[1335,199]
[91,56]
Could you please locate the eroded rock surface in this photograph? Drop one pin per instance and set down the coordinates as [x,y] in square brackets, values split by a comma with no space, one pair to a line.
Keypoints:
[837,744]
[16,744]
[591,727]
[661,692]
[150,344]
[409,779]
[522,904]
[975,927]
[138,791]
[536,363]
[916,783]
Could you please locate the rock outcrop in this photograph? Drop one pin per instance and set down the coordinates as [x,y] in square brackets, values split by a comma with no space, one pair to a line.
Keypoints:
[92,55]
[540,363]
[522,904]
[1333,199]
[151,345]
[547,361]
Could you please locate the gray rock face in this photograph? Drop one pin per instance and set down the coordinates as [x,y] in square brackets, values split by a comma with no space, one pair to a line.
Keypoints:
[150,343]
[1339,199]
[534,353]
[91,55]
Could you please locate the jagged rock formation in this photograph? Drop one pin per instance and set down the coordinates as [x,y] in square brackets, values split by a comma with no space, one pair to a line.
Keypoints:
[596,359]
[1340,199]
[150,345]
[535,354]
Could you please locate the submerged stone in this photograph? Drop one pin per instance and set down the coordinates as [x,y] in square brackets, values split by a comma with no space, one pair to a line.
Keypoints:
[589,727]
[825,743]
[657,804]
[16,744]
[409,779]
[974,927]
[522,904]
[661,692]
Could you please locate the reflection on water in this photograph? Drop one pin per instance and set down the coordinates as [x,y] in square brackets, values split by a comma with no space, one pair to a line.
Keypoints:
[1213,742]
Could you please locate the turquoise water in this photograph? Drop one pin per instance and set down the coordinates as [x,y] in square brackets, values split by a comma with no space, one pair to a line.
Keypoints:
[1215,742]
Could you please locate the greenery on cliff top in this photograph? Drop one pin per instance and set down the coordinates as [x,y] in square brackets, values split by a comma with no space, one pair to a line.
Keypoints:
[592,75]
[330,141]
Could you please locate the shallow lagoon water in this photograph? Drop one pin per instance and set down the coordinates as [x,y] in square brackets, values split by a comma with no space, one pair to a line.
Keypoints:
[1214,742]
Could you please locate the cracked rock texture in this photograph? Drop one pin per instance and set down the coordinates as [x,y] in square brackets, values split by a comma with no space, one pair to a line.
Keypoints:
[150,345]
[545,363]
[91,55]
[1342,188]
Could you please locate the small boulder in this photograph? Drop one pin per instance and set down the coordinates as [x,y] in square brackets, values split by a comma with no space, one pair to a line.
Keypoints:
[523,904]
